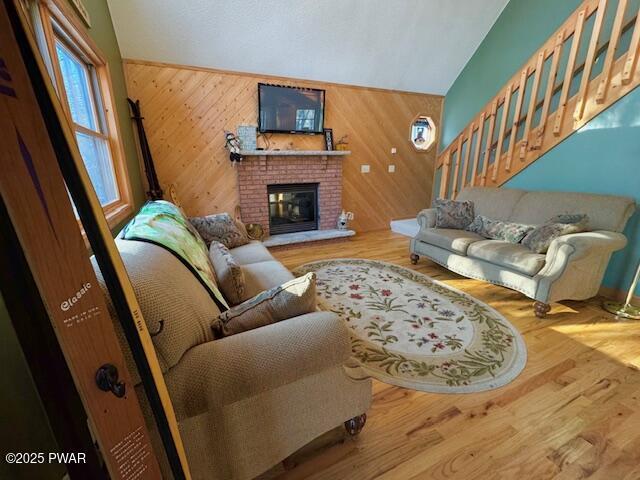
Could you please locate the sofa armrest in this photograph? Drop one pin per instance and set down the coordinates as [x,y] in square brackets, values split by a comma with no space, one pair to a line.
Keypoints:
[576,246]
[585,242]
[427,218]
[575,265]
[224,371]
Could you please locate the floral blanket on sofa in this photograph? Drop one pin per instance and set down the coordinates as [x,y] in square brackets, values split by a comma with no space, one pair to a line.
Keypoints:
[163,224]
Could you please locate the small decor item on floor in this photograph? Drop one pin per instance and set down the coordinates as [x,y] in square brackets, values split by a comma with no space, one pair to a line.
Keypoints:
[343,220]
[247,136]
[233,145]
[415,332]
[626,310]
[255,231]
[328,139]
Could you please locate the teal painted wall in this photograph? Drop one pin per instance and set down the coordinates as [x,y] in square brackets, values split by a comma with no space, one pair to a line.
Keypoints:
[602,157]
[520,30]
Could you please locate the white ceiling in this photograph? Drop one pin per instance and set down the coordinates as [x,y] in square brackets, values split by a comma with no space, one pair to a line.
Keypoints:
[414,45]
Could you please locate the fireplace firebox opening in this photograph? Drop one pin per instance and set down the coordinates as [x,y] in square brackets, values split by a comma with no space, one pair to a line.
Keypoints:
[293,207]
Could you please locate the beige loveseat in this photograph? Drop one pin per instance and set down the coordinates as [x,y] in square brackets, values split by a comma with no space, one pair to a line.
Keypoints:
[244,402]
[574,265]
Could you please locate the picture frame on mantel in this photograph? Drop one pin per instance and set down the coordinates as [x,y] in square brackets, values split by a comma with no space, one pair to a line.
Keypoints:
[328,139]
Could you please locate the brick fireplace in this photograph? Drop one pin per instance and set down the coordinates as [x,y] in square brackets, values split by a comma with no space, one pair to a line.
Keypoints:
[256,173]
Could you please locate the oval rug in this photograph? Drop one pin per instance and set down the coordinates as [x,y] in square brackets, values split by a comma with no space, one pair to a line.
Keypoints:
[415,332]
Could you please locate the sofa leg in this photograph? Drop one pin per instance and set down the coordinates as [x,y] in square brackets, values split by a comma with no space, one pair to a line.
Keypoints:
[354,425]
[414,258]
[541,309]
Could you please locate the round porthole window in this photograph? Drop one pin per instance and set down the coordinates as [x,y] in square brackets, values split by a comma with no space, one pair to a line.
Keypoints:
[423,133]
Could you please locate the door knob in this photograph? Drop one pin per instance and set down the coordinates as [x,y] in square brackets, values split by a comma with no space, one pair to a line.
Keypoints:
[107,380]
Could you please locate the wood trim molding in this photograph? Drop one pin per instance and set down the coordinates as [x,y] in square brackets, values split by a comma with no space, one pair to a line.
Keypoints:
[69,20]
[269,77]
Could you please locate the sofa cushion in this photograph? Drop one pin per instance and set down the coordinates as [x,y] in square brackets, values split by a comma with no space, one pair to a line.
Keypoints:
[491,202]
[220,227]
[539,239]
[605,212]
[456,241]
[228,273]
[252,252]
[263,276]
[505,254]
[452,214]
[291,299]
[499,230]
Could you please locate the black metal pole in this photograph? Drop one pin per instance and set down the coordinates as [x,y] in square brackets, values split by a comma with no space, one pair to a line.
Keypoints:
[155,192]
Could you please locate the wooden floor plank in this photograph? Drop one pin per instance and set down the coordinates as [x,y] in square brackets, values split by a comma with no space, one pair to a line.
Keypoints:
[574,412]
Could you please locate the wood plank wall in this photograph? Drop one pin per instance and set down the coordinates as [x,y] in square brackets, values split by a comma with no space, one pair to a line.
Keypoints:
[187,109]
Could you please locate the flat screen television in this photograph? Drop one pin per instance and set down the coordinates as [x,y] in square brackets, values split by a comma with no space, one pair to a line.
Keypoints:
[290,109]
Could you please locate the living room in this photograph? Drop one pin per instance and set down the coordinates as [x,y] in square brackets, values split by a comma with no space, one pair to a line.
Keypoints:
[320,239]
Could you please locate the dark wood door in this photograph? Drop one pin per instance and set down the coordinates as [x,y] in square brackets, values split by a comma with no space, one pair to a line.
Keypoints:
[34,193]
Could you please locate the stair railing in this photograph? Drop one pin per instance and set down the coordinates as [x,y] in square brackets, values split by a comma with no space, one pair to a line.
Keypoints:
[554,94]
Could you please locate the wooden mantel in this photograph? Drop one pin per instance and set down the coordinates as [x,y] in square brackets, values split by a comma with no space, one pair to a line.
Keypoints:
[294,153]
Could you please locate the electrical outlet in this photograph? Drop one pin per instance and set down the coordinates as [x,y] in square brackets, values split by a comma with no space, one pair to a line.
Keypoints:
[394,150]
[392,168]
[365,168]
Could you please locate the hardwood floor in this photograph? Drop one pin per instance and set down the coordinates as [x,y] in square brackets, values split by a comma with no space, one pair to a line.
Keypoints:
[573,413]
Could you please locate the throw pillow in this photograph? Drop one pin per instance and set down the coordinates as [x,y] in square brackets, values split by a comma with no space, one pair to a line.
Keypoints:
[291,299]
[228,272]
[221,228]
[498,230]
[540,238]
[579,219]
[452,214]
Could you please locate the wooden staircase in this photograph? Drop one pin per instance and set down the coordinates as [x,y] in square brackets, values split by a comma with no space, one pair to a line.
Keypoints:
[589,63]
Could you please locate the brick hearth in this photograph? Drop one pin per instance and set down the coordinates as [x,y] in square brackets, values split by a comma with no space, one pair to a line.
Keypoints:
[255,173]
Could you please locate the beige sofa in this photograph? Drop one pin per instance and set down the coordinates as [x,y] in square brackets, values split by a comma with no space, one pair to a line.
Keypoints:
[244,402]
[573,267]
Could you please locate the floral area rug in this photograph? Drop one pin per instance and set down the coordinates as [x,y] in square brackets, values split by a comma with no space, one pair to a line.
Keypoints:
[415,332]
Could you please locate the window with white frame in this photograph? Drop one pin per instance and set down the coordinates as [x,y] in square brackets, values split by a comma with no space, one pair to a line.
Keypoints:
[87,115]
[81,78]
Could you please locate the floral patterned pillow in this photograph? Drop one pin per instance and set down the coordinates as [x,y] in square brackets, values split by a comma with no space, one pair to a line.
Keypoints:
[540,238]
[499,230]
[221,228]
[579,219]
[452,214]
